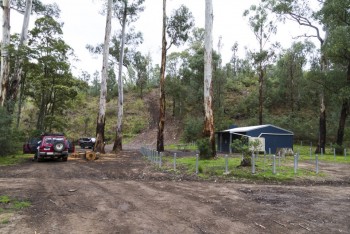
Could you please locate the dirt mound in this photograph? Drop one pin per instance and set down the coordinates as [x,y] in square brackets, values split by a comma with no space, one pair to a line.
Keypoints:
[172,131]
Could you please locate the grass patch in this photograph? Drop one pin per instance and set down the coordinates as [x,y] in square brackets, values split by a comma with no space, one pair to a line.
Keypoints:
[182,146]
[14,159]
[327,156]
[8,203]
[8,206]
[263,168]
[5,218]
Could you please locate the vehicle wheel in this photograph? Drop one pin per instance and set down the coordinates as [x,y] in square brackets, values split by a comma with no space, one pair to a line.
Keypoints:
[82,146]
[64,159]
[58,146]
[39,159]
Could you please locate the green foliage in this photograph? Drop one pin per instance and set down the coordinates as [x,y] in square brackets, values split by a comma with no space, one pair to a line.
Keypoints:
[12,159]
[50,82]
[339,149]
[18,205]
[5,199]
[5,133]
[335,15]
[204,148]
[134,121]
[179,25]
[8,206]
[246,147]
[9,138]
[193,128]
[216,169]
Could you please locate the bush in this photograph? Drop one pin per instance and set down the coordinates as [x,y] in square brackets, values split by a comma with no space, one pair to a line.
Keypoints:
[247,148]
[8,138]
[193,129]
[339,149]
[204,148]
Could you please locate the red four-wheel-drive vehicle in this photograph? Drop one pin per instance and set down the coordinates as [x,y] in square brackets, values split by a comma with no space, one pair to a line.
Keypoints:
[52,146]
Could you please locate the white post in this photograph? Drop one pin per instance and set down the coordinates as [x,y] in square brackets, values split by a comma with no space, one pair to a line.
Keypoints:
[310,154]
[345,152]
[253,163]
[279,159]
[230,149]
[160,159]
[174,161]
[196,163]
[295,163]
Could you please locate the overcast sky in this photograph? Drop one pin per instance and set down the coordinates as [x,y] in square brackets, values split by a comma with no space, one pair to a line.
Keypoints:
[83,24]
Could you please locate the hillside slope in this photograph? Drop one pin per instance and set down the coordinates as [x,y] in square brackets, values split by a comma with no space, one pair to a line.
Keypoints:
[148,137]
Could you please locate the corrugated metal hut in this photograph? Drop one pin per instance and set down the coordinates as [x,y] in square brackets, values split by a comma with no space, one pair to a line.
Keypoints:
[275,137]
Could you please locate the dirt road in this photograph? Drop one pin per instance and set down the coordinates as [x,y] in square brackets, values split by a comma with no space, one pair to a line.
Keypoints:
[124,194]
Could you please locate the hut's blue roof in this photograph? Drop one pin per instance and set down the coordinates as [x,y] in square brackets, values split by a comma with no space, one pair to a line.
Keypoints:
[251,128]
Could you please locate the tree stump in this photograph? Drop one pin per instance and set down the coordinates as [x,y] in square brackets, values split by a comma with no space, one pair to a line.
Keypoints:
[90,155]
[246,162]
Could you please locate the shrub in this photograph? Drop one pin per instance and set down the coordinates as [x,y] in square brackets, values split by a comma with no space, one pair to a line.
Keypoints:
[6,134]
[246,147]
[192,129]
[204,148]
[339,149]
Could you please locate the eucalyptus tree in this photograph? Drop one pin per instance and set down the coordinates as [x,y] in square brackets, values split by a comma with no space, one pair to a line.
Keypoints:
[208,130]
[177,28]
[5,63]
[234,59]
[127,12]
[174,83]
[101,118]
[15,79]
[263,28]
[161,123]
[140,63]
[335,15]
[51,83]
[301,12]
[10,84]
[290,67]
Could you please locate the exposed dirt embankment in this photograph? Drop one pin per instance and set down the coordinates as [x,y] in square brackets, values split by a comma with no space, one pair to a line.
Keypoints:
[172,131]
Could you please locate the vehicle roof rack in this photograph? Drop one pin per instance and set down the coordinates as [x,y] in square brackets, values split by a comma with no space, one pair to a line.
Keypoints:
[52,134]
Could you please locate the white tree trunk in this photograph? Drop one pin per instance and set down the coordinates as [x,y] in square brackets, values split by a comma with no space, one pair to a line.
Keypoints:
[15,79]
[5,63]
[118,143]
[99,145]
[208,70]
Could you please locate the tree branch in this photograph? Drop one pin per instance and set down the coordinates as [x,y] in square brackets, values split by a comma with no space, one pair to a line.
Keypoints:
[303,21]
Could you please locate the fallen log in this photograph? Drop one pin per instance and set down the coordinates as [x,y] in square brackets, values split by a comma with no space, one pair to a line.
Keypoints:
[75,155]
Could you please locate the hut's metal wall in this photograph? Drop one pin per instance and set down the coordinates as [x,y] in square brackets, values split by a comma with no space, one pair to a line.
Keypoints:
[274,138]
